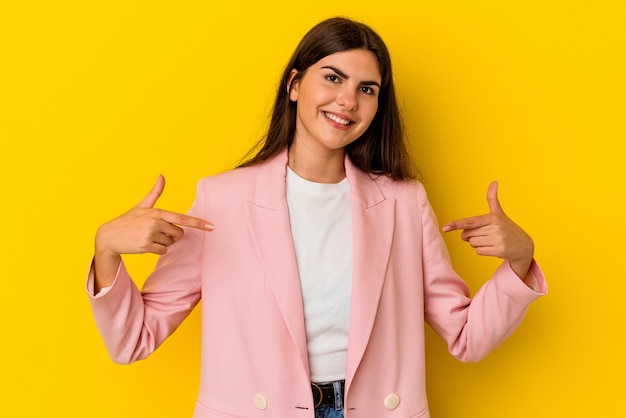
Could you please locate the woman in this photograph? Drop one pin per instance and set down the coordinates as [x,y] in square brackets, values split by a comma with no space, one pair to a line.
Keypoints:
[325,259]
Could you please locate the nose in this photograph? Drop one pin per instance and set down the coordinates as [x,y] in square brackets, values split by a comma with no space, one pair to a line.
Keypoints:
[347,99]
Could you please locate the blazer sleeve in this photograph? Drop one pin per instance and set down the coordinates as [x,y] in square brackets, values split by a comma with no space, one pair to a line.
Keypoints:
[472,327]
[134,323]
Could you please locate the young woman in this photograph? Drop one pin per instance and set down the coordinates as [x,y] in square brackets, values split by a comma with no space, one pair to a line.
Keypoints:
[325,259]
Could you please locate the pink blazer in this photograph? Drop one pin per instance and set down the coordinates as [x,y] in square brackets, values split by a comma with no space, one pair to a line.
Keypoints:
[254,351]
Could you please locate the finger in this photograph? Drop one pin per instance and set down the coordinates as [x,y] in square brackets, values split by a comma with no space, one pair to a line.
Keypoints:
[185,220]
[467,234]
[156,248]
[175,232]
[164,239]
[480,241]
[154,194]
[492,198]
[467,223]
[487,251]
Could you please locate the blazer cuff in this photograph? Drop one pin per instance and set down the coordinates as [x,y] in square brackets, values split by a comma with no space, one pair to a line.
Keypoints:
[91,278]
[516,286]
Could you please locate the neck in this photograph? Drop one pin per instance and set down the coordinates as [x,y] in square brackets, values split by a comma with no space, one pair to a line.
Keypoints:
[325,167]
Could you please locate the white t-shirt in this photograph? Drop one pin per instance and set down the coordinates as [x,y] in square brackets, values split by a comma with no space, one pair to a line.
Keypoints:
[321,226]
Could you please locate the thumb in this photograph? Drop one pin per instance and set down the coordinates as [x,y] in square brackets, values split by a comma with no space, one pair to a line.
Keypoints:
[492,198]
[154,194]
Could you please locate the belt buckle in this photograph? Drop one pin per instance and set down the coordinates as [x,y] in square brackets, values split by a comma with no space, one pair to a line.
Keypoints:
[321,395]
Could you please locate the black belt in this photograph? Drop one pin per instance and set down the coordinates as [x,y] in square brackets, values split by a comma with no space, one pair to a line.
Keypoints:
[324,393]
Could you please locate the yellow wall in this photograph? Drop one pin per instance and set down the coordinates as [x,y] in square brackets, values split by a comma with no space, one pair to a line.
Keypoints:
[98,97]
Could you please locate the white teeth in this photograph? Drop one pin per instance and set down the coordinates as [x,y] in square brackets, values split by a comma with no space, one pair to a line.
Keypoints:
[337,119]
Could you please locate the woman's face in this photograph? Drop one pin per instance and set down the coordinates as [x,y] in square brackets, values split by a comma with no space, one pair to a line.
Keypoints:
[337,99]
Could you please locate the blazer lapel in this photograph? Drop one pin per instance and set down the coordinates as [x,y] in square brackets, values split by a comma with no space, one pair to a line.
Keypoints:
[372,230]
[268,222]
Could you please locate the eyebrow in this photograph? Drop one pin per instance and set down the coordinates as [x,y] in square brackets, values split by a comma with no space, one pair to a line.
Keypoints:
[346,76]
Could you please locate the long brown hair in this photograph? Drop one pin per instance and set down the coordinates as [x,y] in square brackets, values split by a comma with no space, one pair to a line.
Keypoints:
[382,148]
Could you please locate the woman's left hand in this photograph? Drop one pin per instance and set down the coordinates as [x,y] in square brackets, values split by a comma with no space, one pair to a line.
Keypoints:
[496,235]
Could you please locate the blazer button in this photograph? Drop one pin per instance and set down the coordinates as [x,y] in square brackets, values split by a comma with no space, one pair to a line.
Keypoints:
[260,402]
[392,401]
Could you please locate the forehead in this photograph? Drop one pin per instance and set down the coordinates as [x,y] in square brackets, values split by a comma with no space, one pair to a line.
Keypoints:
[358,63]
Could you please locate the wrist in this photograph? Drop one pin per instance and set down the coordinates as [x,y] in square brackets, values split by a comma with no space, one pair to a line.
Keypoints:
[521,267]
[106,265]
[102,249]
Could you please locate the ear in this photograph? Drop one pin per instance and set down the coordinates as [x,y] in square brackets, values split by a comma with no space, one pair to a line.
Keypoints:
[292,86]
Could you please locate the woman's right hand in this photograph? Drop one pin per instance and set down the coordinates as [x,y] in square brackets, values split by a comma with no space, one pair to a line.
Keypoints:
[143,229]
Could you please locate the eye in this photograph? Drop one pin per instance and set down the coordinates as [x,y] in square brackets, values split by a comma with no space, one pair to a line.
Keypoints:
[368,90]
[333,78]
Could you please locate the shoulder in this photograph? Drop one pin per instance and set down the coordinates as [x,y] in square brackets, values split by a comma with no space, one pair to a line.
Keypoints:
[228,184]
[409,195]
[235,176]
[265,179]
[399,188]
[274,167]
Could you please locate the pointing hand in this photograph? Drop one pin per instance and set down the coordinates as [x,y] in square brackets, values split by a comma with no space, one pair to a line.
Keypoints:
[496,235]
[145,229]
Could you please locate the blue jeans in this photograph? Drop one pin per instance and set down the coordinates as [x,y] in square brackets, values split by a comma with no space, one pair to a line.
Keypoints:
[336,410]
[326,411]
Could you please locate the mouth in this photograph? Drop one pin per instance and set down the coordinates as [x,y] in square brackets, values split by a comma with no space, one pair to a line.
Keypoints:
[337,119]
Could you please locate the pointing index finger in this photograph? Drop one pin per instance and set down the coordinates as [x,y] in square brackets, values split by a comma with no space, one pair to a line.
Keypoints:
[186,220]
[466,223]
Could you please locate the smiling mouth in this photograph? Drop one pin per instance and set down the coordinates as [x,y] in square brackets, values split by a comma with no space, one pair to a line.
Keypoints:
[337,119]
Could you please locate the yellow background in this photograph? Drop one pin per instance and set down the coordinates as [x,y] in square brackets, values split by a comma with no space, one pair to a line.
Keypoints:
[99,97]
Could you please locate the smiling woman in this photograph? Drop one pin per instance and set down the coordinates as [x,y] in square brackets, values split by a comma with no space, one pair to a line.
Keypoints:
[321,258]
[381,148]
[337,99]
